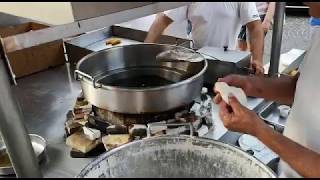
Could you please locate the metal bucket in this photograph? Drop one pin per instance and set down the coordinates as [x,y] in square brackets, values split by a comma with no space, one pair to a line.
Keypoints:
[176,157]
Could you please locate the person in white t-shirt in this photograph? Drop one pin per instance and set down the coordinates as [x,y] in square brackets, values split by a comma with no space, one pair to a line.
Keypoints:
[216,24]
[299,146]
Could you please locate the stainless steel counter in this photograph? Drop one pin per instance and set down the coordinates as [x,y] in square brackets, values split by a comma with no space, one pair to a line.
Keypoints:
[45,99]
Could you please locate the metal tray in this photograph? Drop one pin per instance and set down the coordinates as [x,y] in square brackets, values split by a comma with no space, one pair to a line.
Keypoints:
[271,115]
[79,46]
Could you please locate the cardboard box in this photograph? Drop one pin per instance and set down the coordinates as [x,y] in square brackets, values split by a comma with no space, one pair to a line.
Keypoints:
[34,59]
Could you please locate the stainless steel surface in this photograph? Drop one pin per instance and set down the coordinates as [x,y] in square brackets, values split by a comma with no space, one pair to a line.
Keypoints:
[101,45]
[150,125]
[176,156]
[14,132]
[45,105]
[232,56]
[30,39]
[179,55]
[82,45]
[271,115]
[222,63]
[277,38]
[104,67]
[45,99]
[85,10]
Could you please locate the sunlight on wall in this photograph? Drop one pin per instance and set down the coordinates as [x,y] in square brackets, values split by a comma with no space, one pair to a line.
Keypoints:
[49,12]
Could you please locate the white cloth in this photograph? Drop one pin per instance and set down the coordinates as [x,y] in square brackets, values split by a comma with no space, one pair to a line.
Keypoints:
[215,24]
[303,125]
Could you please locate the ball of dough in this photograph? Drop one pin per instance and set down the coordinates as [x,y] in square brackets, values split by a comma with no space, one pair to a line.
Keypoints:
[225,90]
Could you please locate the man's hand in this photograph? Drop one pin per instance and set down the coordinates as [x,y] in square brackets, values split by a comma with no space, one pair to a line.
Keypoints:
[279,89]
[238,118]
[266,25]
[239,81]
[257,67]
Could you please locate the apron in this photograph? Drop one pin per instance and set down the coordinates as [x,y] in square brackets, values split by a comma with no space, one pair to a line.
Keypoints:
[303,125]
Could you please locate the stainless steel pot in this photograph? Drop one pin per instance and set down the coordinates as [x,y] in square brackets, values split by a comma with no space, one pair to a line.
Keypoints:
[128,79]
[176,157]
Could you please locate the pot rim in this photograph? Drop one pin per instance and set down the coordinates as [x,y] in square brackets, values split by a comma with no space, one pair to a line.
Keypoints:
[173,85]
[183,137]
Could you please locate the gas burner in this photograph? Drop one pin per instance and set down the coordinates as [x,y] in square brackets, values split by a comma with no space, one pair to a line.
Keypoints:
[129,119]
[200,109]
[114,129]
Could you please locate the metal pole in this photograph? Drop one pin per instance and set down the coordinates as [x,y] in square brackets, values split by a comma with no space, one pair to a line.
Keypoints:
[277,38]
[13,131]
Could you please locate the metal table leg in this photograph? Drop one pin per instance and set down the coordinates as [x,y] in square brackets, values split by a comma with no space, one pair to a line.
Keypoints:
[277,38]
[14,132]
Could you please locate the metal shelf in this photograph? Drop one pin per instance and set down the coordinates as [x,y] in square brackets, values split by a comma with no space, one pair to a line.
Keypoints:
[84,22]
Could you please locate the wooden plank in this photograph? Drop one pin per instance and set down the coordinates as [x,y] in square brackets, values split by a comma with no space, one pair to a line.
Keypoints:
[33,38]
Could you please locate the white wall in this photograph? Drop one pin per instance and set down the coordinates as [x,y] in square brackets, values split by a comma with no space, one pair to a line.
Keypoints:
[49,12]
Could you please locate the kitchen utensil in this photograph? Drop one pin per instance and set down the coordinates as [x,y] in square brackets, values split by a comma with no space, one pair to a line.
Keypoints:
[176,157]
[179,55]
[182,55]
[128,79]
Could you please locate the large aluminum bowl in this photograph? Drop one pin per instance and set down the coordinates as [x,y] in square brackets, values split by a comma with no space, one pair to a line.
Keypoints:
[176,157]
[105,79]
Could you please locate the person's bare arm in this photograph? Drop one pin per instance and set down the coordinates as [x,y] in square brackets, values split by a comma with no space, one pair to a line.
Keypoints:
[279,89]
[257,45]
[238,118]
[158,26]
[303,160]
[269,16]
[270,12]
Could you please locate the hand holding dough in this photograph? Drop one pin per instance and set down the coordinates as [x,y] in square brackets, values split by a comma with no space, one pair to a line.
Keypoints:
[225,90]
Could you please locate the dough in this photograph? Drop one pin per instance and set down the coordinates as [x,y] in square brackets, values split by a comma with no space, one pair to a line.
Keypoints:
[225,90]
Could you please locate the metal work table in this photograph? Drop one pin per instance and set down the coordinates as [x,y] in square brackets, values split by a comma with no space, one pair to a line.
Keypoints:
[45,99]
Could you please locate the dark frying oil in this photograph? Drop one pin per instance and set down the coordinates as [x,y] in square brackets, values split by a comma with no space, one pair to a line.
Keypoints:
[146,81]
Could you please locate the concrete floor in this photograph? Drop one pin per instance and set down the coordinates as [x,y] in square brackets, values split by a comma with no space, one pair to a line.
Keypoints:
[296,34]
